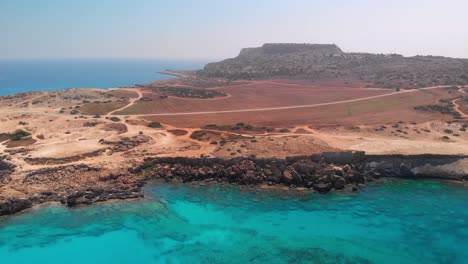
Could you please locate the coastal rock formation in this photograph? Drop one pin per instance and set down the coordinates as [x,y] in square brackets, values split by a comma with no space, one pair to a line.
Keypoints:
[450,167]
[71,185]
[79,184]
[329,62]
[308,172]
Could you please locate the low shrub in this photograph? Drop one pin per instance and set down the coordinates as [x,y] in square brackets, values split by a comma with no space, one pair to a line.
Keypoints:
[18,134]
[154,125]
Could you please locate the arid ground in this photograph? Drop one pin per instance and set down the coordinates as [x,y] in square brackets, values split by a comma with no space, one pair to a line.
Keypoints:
[268,118]
[116,128]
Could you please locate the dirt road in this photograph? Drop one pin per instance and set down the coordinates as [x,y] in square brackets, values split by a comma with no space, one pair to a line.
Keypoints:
[140,95]
[288,107]
[132,101]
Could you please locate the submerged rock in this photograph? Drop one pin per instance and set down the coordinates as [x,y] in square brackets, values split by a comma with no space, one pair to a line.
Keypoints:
[323,187]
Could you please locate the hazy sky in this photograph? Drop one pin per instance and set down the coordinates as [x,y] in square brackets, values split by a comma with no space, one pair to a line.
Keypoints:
[220,28]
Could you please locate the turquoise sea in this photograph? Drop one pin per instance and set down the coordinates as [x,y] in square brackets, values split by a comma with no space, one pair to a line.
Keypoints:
[54,74]
[394,222]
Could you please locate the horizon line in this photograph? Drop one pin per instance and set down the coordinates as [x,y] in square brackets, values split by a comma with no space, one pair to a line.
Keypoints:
[111,58]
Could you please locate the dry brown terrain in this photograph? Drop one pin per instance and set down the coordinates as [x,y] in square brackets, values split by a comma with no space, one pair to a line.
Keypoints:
[255,94]
[313,117]
[262,119]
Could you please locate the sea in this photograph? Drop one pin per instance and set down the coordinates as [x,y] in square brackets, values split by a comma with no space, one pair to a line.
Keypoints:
[397,221]
[22,75]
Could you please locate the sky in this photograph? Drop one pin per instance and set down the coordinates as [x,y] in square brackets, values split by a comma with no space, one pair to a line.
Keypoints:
[215,29]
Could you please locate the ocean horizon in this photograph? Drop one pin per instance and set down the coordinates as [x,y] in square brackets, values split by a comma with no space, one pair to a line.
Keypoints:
[24,75]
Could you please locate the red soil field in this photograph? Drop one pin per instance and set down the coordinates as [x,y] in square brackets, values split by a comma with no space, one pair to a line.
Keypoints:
[123,93]
[258,94]
[393,108]
[101,108]
[338,83]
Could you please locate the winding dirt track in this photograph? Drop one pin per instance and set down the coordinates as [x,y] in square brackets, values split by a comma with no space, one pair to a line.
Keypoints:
[235,110]
[456,106]
[286,107]
[132,100]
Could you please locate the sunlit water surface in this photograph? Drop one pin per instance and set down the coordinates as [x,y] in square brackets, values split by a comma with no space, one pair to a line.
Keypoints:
[54,74]
[394,222]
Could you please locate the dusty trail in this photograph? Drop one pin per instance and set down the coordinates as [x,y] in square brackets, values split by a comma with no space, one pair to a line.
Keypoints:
[29,101]
[289,107]
[132,101]
[456,106]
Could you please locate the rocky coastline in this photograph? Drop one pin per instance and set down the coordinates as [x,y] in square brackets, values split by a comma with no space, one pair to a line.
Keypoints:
[323,173]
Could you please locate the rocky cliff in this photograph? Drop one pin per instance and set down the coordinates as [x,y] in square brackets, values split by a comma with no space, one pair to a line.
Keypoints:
[80,184]
[328,62]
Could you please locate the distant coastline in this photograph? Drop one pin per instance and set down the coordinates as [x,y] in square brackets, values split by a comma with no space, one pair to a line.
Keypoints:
[18,76]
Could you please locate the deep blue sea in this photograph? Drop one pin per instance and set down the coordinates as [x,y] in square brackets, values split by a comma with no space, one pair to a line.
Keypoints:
[396,222]
[53,74]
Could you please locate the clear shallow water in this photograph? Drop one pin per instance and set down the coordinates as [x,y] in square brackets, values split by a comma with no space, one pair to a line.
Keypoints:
[396,222]
[39,75]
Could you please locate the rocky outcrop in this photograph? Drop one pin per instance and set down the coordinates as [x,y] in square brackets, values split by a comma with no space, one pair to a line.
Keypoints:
[65,160]
[125,144]
[12,206]
[322,172]
[71,185]
[308,172]
[292,48]
[80,184]
[6,169]
[452,167]
[328,62]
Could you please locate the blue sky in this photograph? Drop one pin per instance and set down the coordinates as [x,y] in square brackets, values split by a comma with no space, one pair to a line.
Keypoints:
[215,29]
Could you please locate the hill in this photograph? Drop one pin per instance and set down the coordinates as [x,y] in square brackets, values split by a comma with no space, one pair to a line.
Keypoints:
[329,62]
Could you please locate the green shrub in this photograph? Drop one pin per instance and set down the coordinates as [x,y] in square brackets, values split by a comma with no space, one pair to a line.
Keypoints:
[154,125]
[115,119]
[19,134]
